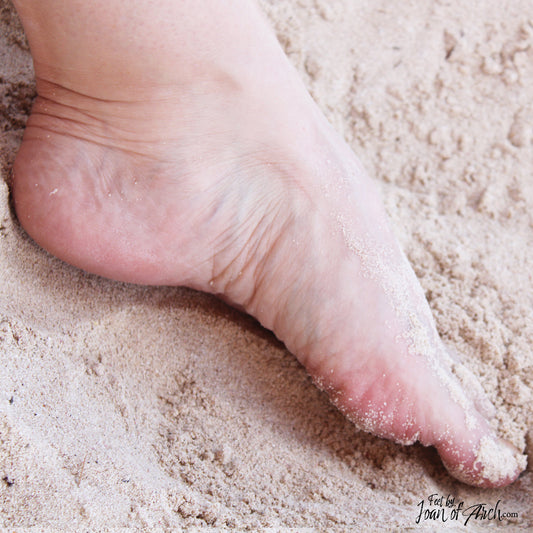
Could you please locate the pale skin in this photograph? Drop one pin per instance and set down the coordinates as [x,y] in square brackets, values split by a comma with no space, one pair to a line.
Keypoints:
[172,142]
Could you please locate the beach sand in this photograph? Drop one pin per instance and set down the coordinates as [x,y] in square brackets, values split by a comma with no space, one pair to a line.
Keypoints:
[156,407]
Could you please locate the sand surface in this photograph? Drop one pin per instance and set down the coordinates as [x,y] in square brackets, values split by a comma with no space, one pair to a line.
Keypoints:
[126,406]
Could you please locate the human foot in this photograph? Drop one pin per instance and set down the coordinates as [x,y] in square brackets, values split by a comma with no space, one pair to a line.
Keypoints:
[193,156]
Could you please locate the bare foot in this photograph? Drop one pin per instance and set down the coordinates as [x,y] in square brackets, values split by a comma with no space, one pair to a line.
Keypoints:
[172,143]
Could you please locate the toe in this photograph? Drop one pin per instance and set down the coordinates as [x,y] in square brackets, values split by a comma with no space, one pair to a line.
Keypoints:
[465,440]
[483,462]
[460,430]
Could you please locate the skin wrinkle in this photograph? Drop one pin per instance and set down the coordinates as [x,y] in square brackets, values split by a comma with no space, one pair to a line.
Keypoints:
[247,246]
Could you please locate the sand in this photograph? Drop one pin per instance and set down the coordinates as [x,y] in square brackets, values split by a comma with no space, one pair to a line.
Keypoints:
[164,409]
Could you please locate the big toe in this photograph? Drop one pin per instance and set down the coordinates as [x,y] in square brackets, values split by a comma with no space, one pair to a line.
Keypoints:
[468,446]
[481,459]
